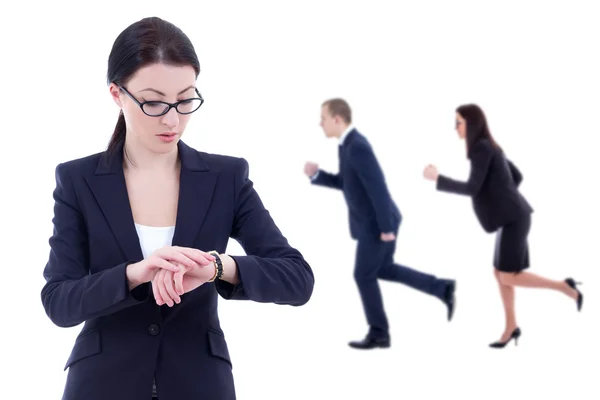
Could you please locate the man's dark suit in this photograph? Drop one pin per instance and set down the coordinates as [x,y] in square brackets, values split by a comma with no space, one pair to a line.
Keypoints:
[127,340]
[373,212]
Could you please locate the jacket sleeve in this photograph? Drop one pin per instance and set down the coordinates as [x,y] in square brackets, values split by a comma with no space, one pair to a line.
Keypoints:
[516,174]
[71,294]
[322,178]
[272,271]
[480,164]
[363,162]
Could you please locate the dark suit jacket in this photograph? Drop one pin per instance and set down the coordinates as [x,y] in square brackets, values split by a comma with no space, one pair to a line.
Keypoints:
[493,185]
[371,208]
[127,339]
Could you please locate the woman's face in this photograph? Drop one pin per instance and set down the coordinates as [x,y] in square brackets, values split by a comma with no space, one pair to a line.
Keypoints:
[156,82]
[461,126]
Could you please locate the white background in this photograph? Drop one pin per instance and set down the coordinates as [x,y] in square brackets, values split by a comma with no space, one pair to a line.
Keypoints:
[266,68]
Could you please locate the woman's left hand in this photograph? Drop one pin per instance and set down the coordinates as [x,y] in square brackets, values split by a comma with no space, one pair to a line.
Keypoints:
[431,173]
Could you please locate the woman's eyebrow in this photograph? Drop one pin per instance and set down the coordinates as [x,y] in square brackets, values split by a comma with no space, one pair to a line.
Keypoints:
[162,94]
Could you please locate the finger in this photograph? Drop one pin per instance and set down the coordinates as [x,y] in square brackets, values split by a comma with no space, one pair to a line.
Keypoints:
[157,296]
[160,282]
[163,288]
[179,257]
[166,265]
[165,278]
[159,262]
[170,287]
[187,256]
[200,257]
[178,279]
[174,256]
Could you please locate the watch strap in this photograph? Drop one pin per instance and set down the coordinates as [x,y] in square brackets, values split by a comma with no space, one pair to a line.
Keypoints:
[218,265]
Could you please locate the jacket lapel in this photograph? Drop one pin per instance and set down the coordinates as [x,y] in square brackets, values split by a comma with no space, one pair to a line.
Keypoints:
[196,187]
[109,189]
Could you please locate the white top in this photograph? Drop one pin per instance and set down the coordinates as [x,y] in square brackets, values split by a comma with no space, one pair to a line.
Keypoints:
[153,238]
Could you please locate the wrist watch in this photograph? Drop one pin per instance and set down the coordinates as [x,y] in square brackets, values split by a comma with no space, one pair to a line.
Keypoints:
[218,266]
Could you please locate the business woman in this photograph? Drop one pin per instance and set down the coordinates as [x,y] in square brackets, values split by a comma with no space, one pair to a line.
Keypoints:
[500,207]
[139,236]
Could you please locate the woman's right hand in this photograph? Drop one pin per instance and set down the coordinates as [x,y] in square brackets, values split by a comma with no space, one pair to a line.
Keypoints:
[165,258]
[431,172]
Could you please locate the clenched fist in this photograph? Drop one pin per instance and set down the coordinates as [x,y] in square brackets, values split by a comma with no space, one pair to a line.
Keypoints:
[431,173]
[310,169]
[388,237]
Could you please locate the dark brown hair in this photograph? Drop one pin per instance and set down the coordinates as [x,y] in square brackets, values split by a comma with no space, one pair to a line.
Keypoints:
[477,126]
[148,41]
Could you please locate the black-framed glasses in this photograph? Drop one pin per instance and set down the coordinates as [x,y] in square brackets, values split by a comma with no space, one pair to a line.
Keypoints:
[158,108]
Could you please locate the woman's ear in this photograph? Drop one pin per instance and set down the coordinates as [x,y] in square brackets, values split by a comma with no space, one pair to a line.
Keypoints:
[115,93]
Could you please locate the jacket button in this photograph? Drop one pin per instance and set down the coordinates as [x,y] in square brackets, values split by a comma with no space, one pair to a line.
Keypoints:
[154,329]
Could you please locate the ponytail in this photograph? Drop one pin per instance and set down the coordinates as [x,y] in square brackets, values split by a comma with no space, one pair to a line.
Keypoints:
[118,136]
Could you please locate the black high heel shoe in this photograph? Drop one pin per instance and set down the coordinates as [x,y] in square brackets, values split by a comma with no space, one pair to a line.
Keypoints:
[514,335]
[571,282]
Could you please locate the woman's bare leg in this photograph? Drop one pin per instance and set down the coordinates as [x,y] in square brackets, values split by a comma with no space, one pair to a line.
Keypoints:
[528,279]
[507,293]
